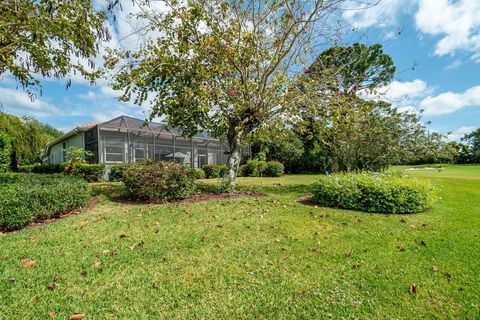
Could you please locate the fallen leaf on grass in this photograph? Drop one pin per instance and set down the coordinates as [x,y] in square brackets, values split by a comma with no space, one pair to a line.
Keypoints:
[52,286]
[76,316]
[141,243]
[355,266]
[123,236]
[218,254]
[2,234]
[52,314]
[98,265]
[413,288]
[448,276]
[27,263]
[35,298]
[82,223]
[434,269]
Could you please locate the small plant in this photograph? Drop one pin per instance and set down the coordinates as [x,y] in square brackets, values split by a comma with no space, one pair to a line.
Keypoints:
[198,173]
[262,165]
[252,168]
[117,172]
[385,193]
[274,169]
[212,171]
[158,181]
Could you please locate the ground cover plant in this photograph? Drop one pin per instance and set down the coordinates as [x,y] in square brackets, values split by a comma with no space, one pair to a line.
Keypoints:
[374,192]
[25,198]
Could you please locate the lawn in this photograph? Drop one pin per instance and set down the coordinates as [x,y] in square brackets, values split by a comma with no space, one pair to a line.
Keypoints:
[265,257]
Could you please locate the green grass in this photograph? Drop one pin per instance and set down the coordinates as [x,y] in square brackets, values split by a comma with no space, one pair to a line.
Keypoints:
[252,258]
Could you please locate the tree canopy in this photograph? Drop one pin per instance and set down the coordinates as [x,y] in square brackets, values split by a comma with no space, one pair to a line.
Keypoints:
[46,37]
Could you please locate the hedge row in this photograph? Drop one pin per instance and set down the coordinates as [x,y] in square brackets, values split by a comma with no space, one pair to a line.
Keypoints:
[384,193]
[89,172]
[30,197]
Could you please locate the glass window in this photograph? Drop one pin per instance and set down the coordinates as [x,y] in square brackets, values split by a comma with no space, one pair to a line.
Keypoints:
[114,149]
[139,150]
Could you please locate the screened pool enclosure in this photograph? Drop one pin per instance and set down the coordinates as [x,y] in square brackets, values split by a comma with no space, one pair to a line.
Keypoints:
[125,139]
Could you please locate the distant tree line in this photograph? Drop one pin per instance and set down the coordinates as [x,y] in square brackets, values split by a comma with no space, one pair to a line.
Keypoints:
[22,140]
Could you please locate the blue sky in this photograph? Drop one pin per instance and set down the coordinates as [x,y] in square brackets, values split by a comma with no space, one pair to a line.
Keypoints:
[440,37]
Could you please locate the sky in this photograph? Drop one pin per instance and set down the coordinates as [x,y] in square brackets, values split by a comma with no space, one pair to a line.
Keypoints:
[435,45]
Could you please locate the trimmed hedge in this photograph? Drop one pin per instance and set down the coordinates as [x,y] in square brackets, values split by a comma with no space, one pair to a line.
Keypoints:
[117,172]
[158,181]
[383,193]
[89,172]
[30,197]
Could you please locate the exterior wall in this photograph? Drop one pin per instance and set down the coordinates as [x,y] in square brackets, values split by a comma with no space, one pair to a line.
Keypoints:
[56,154]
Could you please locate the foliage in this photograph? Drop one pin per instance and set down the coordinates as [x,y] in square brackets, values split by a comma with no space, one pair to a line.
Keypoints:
[374,192]
[473,141]
[5,152]
[223,170]
[274,169]
[221,66]
[212,171]
[252,166]
[28,138]
[198,173]
[74,156]
[41,37]
[261,167]
[117,172]
[29,197]
[49,168]
[158,181]
[243,171]
[89,172]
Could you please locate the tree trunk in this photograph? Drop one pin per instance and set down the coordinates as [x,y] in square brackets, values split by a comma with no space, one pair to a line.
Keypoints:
[229,180]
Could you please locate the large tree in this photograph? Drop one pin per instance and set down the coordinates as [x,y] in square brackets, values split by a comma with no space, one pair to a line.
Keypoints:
[45,37]
[473,141]
[223,66]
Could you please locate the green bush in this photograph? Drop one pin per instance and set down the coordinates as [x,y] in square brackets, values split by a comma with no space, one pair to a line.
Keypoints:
[26,197]
[26,168]
[252,166]
[274,169]
[212,171]
[198,173]
[385,193]
[158,181]
[89,172]
[243,171]
[222,171]
[49,168]
[261,166]
[117,172]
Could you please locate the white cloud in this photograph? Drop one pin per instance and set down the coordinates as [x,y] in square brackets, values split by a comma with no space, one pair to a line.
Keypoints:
[450,102]
[18,101]
[457,134]
[458,23]
[404,90]
[364,14]
[90,95]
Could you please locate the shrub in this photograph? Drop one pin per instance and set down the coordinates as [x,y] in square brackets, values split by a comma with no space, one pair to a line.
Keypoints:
[262,165]
[25,169]
[223,170]
[211,171]
[198,173]
[243,171]
[30,197]
[252,168]
[374,192]
[117,172]
[274,169]
[158,181]
[49,168]
[89,172]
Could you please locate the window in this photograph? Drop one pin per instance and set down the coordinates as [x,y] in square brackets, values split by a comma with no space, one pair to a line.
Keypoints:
[114,149]
[139,150]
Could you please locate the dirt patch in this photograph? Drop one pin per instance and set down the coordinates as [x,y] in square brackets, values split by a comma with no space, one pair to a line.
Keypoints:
[197,197]
[308,201]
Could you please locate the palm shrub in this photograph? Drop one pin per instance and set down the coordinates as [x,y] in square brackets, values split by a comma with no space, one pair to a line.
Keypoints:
[158,181]
[30,197]
[373,192]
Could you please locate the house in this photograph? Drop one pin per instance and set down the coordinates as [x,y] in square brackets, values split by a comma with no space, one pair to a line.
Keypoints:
[125,139]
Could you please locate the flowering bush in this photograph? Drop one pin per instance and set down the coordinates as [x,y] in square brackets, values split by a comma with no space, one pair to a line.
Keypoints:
[386,193]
